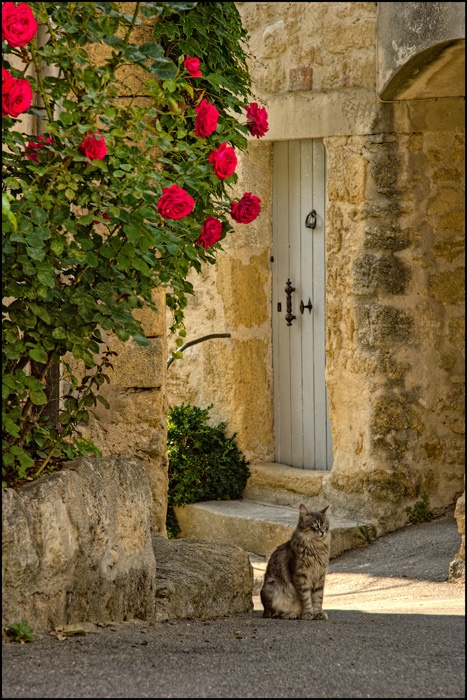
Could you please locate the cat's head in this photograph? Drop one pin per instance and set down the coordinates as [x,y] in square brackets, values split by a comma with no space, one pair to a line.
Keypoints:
[314,523]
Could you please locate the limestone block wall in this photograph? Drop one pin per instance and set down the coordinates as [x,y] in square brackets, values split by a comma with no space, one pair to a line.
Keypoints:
[234,296]
[394,271]
[395,318]
[135,423]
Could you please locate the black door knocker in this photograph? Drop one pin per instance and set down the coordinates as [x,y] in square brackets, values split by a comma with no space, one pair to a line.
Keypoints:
[310,221]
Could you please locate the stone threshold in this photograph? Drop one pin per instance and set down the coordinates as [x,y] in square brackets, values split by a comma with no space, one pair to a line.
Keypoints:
[257,527]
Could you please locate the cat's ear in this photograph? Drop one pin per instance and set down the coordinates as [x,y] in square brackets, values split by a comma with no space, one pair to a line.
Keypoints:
[302,510]
[324,510]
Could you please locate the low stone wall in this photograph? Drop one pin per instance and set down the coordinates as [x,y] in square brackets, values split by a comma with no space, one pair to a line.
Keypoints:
[79,546]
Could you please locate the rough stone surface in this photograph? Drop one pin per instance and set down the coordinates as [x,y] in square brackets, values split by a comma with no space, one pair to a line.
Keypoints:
[135,423]
[76,546]
[285,486]
[457,566]
[201,579]
[407,33]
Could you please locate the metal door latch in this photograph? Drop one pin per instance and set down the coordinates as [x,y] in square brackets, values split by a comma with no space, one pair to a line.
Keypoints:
[289,317]
[310,221]
[308,306]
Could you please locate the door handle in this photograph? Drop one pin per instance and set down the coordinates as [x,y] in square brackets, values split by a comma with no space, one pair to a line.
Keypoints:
[310,221]
[289,317]
[308,306]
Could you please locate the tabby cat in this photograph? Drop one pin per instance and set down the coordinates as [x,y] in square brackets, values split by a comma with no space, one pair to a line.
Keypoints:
[294,580]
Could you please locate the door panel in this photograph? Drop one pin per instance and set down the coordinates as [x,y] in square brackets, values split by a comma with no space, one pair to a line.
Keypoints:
[301,422]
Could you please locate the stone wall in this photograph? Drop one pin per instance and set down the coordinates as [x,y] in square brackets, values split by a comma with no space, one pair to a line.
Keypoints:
[395,319]
[77,547]
[394,226]
[135,423]
[234,296]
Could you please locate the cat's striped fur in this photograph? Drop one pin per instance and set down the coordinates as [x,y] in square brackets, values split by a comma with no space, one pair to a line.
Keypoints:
[294,580]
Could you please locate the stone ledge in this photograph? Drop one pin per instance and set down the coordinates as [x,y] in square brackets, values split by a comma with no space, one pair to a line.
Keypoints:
[286,486]
[254,526]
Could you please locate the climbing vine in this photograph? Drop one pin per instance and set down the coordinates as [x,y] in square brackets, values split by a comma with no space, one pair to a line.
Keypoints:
[119,190]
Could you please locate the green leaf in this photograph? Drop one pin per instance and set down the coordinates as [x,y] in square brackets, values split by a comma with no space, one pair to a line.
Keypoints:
[59,333]
[57,246]
[38,215]
[46,279]
[38,354]
[103,401]
[9,426]
[141,340]
[38,398]
[23,458]
[164,68]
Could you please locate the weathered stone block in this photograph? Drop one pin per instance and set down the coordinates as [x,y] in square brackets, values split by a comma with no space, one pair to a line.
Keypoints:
[77,546]
[201,579]
[301,78]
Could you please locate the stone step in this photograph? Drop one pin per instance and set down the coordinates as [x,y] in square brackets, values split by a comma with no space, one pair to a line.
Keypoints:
[256,527]
[282,485]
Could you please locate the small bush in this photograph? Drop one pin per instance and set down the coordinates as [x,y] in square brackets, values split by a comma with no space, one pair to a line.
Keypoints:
[204,464]
[19,632]
[420,512]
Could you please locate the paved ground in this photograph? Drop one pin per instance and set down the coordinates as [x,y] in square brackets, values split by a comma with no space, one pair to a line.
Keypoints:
[395,630]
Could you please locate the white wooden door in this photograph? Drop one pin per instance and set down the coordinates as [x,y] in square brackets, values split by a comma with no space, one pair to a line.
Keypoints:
[301,416]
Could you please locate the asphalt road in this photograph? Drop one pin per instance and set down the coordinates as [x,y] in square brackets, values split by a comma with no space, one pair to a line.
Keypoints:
[395,630]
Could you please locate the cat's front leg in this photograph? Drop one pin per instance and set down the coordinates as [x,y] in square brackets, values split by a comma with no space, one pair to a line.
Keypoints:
[317,599]
[304,595]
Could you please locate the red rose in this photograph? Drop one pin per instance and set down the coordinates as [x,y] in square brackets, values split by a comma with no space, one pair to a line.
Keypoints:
[224,161]
[210,233]
[37,145]
[192,66]
[175,203]
[7,80]
[257,120]
[16,95]
[246,210]
[18,24]
[94,148]
[206,119]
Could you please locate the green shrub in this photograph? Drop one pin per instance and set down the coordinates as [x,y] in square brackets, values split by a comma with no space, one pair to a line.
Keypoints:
[204,464]
[420,512]
[20,632]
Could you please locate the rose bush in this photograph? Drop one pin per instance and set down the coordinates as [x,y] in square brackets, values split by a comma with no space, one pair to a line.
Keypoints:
[175,203]
[16,95]
[37,145]
[94,146]
[116,197]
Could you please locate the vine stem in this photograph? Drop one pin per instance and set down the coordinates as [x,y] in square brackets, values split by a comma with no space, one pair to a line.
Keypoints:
[46,461]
